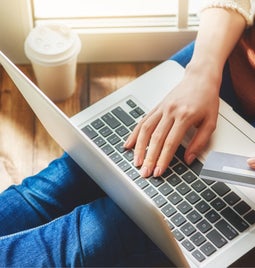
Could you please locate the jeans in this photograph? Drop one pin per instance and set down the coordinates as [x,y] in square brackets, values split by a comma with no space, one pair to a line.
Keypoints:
[61,218]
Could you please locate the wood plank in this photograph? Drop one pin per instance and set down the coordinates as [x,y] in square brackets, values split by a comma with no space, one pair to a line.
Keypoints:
[16,131]
[25,146]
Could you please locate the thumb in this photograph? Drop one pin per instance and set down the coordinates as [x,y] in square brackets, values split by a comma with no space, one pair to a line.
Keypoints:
[251,162]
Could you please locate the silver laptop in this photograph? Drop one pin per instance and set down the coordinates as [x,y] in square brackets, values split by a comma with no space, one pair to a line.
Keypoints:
[195,222]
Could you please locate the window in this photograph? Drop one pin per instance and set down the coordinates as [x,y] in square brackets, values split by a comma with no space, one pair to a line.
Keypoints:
[87,14]
[110,30]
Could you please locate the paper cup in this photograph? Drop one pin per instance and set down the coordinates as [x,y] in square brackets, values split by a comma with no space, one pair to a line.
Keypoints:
[53,50]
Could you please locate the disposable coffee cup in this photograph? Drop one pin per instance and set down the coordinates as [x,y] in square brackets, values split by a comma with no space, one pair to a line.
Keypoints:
[53,50]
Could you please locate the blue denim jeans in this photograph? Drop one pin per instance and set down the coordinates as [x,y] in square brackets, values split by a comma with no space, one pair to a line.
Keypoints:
[60,217]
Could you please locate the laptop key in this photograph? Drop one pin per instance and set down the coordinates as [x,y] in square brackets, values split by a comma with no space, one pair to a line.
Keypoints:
[208,195]
[183,188]
[99,141]
[226,229]
[167,173]
[105,131]
[198,239]
[218,204]
[234,219]
[198,255]
[189,177]
[142,183]
[174,180]
[165,189]
[159,201]
[131,103]
[150,191]
[174,198]
[193,197]
[168,210]
[110,120]
[250,217]
[178,219]
[120,147]
[133,174]
[208,249]
[220,188]
[107,149]
[180,152]
[90,132]
[129,155]
[115,157]
[212,216]
[194,216]
[242,208]
[113,139]
[216,238]
[156,181]
[123,116]
[232,198]
[180,168]
[178,235]
[196,166]
[198,186]
[188,229]
[124,165]
[188,245]
[184,207]
[122,131]
[204,226]
[97,123]
[202,206]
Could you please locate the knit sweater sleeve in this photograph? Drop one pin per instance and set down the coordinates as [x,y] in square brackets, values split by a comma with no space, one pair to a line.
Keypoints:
[243,7]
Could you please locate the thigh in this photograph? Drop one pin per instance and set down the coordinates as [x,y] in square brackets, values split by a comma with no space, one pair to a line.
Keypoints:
[98,234]
[55,191]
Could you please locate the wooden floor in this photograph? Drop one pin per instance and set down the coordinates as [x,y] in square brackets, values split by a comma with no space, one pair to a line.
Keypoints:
[25,146]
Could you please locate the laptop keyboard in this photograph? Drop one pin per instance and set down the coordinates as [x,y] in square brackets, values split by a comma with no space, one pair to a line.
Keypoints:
[203,215]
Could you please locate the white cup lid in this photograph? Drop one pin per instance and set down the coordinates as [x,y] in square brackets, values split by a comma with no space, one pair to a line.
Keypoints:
[52,44]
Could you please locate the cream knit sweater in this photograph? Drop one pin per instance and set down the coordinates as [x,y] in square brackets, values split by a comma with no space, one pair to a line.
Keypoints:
[243,7]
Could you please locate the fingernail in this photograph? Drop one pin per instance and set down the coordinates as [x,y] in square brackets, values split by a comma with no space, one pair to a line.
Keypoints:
[137,161]
[191,158]
[157,172]
[144,172]
[126,143]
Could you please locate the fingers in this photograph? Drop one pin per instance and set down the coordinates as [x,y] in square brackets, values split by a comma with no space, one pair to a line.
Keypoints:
[171,143]
[155,149]
[199,140]
[162,145]
[251,162]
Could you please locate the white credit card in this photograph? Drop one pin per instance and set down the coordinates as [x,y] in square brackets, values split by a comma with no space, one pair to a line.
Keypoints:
[229,168]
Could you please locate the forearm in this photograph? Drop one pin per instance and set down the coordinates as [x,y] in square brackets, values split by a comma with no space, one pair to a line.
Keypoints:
[219,31]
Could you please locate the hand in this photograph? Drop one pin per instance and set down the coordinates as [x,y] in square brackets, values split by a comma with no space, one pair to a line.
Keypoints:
[251,162]
[194,102]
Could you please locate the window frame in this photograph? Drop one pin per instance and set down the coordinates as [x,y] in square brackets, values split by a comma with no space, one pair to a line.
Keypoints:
[102,44]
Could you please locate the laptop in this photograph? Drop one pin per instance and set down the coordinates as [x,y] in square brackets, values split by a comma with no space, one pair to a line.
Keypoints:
[195,222]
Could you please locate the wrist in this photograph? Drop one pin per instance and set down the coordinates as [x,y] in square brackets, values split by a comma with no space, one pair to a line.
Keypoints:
[204,69]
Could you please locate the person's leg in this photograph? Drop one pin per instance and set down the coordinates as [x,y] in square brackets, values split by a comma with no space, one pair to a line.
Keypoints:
[98,234]
[53,192]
